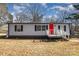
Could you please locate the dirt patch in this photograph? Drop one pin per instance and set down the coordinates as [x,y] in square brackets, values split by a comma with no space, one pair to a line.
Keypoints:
[74,40]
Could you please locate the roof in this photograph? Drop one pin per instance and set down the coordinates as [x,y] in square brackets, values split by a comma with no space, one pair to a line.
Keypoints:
[38,23]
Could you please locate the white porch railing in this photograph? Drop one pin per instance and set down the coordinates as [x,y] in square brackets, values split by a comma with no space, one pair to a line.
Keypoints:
[56,33]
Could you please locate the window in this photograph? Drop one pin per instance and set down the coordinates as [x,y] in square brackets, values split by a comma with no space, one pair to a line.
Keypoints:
[58,27]
[37,27]
[18,28]
[65,28]
[46,27]
[43,28]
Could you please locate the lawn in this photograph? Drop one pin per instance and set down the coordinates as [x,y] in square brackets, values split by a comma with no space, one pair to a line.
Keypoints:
[24,47]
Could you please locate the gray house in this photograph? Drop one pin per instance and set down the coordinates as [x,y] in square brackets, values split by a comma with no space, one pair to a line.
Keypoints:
[39,29]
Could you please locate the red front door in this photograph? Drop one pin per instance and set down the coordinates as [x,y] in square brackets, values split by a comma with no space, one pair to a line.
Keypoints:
[51,28]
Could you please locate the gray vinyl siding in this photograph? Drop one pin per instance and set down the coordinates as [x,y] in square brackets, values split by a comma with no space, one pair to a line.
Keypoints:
[29,29]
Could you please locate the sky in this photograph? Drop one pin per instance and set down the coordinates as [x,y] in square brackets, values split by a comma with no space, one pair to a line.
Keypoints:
[50,9]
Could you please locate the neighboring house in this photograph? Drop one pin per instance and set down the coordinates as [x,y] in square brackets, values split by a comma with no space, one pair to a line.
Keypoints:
[39,29]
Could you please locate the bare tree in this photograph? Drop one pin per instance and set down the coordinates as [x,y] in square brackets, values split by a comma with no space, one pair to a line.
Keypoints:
[4,14]
[33,12]
[63,15]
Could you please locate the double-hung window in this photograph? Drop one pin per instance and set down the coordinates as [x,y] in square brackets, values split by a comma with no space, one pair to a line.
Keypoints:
[37,27]
[41,27]
[18,28]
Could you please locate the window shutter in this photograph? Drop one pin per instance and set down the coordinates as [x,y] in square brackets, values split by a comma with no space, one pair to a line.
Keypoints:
[15,27]
[58,27]
[35,27]
[64,27]
[21,27]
